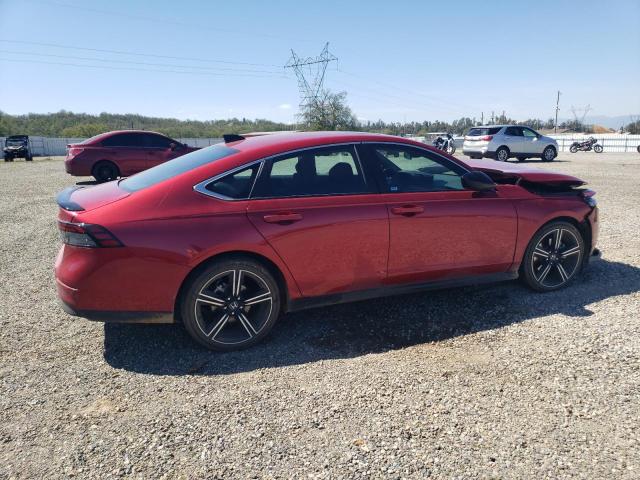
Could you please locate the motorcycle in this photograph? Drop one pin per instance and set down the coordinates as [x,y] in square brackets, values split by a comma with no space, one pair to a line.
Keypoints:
[586,146]
[446,144]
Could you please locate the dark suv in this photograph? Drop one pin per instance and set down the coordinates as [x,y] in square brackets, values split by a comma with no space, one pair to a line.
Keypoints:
[121,153]
[17,146]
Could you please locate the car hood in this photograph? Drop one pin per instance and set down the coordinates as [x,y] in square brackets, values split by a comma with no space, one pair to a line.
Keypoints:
[523,172]
[83,198]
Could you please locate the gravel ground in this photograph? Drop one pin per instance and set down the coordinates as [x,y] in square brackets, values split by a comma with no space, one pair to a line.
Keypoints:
[479,382]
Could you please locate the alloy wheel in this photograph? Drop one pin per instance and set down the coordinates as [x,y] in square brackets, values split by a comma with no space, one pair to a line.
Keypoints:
[549,154]
[233,307]
[503,156]
[556,258]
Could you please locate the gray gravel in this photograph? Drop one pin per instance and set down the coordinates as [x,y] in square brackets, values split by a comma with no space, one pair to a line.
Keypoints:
[477,382]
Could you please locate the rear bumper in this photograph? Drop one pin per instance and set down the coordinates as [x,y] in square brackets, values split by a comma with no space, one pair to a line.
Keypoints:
[76,168]
[119,317]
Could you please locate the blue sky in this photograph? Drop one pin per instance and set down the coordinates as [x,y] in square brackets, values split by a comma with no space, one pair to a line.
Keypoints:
[398,60]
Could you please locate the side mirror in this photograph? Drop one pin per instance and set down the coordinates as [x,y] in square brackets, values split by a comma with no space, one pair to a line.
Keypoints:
[476,180]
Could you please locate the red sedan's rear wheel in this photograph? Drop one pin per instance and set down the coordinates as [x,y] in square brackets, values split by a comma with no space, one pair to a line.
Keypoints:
[554,257]
[231,304]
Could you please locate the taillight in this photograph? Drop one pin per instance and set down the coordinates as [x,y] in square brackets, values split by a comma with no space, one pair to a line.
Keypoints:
[487,138]
[589,197]
[87,235]
[74,151]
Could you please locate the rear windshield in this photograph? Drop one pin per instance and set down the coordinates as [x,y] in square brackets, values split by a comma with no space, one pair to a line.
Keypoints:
[174,167]
[481,132]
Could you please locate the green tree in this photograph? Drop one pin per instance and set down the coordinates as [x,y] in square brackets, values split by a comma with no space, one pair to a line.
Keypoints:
[329,112]
[633,127]
[85,130]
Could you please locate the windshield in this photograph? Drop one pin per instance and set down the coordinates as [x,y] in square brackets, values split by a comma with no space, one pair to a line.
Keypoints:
[175,167]
[11,142]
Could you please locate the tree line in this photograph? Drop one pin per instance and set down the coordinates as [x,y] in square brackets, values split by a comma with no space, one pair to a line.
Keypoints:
[331,113]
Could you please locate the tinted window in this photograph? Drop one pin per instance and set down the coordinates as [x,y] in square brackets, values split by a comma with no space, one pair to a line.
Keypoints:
[321,171]
[175,167]
[513,131]
[125,140]
[527,132]
[236,185]
[158,141]
[481,132]
[406,169]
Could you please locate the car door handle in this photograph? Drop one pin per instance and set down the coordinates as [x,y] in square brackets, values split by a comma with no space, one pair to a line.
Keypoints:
[282,218]
[407,210]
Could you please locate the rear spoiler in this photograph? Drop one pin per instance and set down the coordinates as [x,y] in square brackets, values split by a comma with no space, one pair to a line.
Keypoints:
[64,199]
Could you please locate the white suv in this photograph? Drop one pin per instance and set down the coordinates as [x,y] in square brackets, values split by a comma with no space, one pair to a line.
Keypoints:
[505,141]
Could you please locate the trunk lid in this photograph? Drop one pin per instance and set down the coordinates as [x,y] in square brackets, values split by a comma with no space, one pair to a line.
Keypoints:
[84,198]
[503,170]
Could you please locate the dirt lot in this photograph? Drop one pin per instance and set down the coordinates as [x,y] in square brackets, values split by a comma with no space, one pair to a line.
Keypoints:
[479,382]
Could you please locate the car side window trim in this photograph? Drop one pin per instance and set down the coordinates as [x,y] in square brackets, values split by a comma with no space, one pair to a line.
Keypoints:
[373,183]
[438,158]
[201,187]
[372,187]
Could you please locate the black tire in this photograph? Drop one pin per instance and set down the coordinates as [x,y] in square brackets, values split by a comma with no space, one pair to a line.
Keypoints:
[549,154]
[502,154]
[29,158]
[550,263]
[474,157]
[8,158]
[219,318]
[638,149]
[573,148]
[105,171]
[451,149]
[598,148]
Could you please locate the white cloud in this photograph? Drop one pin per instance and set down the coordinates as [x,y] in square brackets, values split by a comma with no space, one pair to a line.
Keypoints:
[284,106]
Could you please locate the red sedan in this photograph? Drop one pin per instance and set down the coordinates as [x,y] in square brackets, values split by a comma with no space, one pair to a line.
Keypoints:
[121,153]
[227,238]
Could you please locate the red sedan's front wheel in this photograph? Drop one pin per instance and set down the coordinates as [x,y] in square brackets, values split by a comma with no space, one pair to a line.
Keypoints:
[231,304]
[554,257]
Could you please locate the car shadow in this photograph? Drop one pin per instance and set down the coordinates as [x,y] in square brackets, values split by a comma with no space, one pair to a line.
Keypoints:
[88,182]
[375,326]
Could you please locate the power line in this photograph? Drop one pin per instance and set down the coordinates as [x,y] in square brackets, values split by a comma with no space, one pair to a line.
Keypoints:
[111,67]
[140,63]
[163,20]
[138,54]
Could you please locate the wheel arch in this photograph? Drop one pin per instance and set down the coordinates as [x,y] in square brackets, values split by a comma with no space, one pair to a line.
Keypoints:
[584,227]
[266,262]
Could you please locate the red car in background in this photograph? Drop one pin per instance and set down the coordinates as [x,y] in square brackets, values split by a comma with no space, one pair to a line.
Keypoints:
[121,153]
[226,238]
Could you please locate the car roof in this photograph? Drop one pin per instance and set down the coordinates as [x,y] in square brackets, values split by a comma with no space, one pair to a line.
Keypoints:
[281,142]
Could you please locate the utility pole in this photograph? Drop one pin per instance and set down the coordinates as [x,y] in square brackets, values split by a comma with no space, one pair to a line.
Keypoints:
[555,126]
[310,72]
[481,118]
[492,118]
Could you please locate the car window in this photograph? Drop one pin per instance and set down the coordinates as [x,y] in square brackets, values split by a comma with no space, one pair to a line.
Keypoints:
[319,171]
[236,185]
[529,133]
[175,167]
[513,131]
[158,141]
[407,169]
[125,140]
[483,131]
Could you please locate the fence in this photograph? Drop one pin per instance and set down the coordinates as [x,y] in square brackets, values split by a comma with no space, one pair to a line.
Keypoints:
[611,142]
[50,147]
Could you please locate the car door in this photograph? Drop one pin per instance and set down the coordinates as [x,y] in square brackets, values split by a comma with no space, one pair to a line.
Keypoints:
[513,139]
[320,213]
[158,148]
[127,151]
[530,141]
[437,228]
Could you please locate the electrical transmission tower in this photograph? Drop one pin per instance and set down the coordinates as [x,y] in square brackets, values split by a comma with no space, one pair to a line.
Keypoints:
[310,72]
